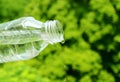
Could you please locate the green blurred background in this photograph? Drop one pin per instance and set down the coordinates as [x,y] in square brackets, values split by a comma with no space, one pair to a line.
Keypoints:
[91,52]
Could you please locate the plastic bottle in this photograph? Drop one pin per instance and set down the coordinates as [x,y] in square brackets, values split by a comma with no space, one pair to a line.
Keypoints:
[25,38]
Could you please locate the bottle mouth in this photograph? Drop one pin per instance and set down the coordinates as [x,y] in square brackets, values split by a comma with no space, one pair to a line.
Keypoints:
[54,31]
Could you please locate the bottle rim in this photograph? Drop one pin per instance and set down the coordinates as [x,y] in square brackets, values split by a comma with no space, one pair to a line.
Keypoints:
[54,31]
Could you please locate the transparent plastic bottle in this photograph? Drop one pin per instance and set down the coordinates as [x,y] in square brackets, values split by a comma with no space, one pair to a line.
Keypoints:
[25,38]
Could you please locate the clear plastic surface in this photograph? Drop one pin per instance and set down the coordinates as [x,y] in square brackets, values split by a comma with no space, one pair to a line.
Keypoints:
[25,38]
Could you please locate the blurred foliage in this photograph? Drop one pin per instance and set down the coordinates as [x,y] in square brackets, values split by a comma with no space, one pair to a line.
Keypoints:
[91,52]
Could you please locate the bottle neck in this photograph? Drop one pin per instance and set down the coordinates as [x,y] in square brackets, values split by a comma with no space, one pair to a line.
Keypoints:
[53,32]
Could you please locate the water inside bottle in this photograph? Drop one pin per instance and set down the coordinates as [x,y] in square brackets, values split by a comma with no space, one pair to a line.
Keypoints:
[21,51]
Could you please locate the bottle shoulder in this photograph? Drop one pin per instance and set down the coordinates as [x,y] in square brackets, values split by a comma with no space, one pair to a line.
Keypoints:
[20,23]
